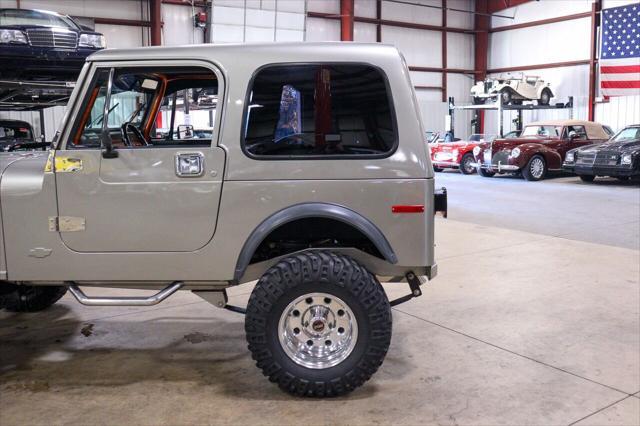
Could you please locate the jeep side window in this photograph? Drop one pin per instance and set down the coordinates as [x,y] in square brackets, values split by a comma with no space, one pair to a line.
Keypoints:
[323,110]
[149,107]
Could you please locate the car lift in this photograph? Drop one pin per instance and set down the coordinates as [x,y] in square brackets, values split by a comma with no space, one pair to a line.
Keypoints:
[497,106]
[17,95]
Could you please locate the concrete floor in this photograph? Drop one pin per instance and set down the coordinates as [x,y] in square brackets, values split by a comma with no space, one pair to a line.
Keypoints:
[534,319]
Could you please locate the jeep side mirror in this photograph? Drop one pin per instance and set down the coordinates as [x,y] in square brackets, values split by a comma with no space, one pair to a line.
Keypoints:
[185,131]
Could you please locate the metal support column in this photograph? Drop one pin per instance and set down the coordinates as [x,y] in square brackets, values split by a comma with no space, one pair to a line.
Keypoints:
[346,20]
[156,22]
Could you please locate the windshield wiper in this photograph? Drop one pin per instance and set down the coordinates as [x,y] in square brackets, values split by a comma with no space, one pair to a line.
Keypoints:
[98,119]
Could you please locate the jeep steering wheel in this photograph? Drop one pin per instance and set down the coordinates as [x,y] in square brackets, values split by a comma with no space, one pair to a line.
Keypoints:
[125,134]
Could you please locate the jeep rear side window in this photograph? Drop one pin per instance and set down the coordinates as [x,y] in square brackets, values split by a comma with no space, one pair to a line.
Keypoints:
[330,111]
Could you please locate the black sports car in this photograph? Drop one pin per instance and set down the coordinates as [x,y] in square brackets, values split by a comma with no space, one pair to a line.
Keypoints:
[618,157]
[39,44]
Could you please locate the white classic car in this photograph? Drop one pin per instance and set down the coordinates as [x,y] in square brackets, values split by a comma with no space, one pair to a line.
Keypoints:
[512,89]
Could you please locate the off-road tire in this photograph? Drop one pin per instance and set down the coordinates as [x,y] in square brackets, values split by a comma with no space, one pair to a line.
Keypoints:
[326,272]
[485,173]
[468,157]
[528,171]
[587,178]
[27,298]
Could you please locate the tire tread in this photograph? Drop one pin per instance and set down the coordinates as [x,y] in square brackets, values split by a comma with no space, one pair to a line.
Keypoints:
[306,269]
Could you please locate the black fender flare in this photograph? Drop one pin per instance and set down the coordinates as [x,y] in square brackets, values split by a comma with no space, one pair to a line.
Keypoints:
[308,210]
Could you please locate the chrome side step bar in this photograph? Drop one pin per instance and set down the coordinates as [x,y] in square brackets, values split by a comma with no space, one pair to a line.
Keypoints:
[124,301]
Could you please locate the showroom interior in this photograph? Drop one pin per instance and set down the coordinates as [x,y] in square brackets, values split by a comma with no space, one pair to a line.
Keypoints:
[521,118]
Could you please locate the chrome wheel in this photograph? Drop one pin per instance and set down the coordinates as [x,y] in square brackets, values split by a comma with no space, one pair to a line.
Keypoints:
[466,167]
[317,330]
[536,167]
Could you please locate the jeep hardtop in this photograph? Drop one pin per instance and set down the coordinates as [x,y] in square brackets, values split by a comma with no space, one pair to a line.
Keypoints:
[302,166]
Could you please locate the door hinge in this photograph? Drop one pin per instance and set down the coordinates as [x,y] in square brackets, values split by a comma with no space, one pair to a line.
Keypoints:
[66,224]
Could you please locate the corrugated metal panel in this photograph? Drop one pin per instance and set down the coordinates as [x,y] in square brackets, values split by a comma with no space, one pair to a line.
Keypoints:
[413,44]
[460,51]
[178,26]
[460,19]
[326,6]
[265,22]
[559,42]
[411,13]
[319,29]
[366,8]
[120,36]
[365,33]
[619,111]
[544,9]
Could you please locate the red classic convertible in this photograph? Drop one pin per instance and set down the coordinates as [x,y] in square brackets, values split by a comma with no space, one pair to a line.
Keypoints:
[540,148]
[458,154]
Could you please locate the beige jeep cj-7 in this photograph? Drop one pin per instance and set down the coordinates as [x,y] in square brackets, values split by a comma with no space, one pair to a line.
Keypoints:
[198,168]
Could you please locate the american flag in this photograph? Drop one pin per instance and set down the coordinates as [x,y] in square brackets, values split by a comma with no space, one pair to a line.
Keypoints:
[620,51]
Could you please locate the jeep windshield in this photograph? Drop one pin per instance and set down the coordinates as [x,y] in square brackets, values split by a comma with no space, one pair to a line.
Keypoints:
[35,17]
[542,131]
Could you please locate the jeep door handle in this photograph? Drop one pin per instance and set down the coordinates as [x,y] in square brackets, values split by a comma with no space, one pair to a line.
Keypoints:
[189,164]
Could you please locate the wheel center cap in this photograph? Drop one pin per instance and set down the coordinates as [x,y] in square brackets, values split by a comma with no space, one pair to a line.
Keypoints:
[318,326]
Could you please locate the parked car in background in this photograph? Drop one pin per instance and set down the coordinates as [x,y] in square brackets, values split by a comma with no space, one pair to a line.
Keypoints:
[431,136]
[17,135]
[619,157]
[512,90]
[540,148]
[457,155]
[14,131]
[44,45]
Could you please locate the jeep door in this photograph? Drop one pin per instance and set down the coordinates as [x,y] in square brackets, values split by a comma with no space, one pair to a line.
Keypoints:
[159,187]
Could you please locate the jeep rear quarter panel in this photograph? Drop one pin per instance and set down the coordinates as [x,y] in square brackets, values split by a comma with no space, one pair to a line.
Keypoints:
[253,189]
